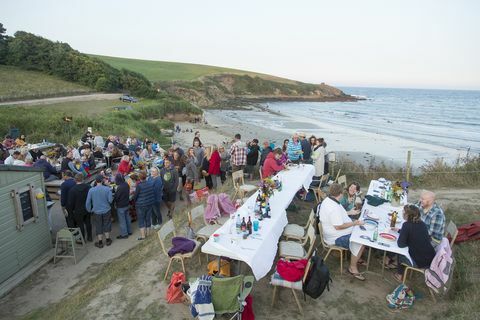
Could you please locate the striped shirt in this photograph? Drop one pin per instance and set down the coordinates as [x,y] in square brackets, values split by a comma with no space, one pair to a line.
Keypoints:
[435,221]
[294,150]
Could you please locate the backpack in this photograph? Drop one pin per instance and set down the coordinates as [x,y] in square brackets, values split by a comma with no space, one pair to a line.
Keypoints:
[318,278]
[402,297]
[174,291]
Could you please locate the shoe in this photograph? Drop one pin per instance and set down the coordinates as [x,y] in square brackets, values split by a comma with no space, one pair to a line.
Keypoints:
[99,244]
[129,233]
[109,241]
[140,238]
[156,227]
[122,237]
[358,276]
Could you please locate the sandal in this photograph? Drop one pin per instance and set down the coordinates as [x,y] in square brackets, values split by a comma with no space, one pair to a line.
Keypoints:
[358,276]
[390,265]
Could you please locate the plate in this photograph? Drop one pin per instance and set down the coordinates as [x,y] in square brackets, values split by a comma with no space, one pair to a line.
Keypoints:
[388,236]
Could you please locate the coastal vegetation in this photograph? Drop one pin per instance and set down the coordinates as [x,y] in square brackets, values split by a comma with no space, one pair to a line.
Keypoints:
[146,119]
[22,84]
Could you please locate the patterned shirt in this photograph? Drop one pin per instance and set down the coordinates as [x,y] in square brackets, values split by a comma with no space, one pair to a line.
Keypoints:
[435,221]
[238,151]
[294,150]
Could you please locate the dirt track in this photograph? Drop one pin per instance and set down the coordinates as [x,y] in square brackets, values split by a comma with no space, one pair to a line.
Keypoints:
[85,97]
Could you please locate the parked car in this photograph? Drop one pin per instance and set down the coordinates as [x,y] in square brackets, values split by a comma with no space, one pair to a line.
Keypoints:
[128,98]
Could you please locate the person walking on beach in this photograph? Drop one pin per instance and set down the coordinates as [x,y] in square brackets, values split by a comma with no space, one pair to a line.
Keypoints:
[157,195]
[121,200]
[98,202]
[144,199]
[238,152]
[77,198]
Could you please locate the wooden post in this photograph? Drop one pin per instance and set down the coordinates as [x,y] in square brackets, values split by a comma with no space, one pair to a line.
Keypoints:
[409,158]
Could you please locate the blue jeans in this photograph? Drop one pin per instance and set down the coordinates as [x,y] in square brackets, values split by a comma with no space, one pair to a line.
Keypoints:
[157,215]
[343,241]
[144,215]
[124,221]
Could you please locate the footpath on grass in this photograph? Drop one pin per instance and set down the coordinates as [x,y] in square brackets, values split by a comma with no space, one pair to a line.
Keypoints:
[84,97]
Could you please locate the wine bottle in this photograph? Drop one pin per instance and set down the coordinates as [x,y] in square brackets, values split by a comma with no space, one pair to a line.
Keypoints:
[249,225]
[243,226]
[238,224]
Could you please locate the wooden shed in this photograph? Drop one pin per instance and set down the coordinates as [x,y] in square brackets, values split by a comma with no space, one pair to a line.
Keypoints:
[25,240]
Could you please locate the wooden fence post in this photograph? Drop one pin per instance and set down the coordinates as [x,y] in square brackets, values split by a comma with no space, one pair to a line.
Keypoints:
[409,158]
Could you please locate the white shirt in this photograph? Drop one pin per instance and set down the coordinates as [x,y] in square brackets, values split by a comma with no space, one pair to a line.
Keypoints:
[9,161]
[333,214]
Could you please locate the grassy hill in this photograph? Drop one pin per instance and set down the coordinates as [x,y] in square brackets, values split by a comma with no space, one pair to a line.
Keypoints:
[170,71]
[17,84]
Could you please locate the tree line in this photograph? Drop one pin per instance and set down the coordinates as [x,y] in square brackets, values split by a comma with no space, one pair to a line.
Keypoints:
[32,52]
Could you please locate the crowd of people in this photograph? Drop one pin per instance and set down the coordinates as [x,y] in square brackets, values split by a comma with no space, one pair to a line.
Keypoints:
[141,176]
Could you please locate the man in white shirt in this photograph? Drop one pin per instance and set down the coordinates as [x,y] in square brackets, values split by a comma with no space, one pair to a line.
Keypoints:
[337,227]
[11,159]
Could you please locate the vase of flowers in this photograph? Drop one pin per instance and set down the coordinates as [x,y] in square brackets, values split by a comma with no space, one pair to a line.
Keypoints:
[398,193]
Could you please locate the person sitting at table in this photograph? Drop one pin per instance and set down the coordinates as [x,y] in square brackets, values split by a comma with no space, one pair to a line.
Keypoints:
[8,143]
[432,215]
[36,154]
[337,227]
[49,172]
[137,156]
[87,153]
[125,166]
[271,166]
[65,162]
[414,235]
[20,141]
[98,153]
[148,152]
[349,198]
[11,158]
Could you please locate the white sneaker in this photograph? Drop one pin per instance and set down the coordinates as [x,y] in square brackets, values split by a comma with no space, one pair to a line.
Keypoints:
[156,227]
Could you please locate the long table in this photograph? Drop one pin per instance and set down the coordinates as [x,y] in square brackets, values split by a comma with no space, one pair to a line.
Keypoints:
[260,248]
[382,212]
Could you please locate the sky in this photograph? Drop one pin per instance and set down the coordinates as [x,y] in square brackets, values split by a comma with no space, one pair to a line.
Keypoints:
[411,44]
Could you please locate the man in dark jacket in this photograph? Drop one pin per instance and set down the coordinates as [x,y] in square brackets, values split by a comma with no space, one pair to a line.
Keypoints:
[170,184]
[252,157]
[306,148]
[157,193]
[144,199]
[49,172]
[77,197]
[121,200]
[65,187]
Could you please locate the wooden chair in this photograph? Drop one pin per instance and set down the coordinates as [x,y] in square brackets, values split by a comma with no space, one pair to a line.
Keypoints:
[66,241]
[239,184]
[293,250]
[451,232]
[206,231]
[343,252]
[298,232]
[167,229]
[317,191]
[342,180]
[277,281]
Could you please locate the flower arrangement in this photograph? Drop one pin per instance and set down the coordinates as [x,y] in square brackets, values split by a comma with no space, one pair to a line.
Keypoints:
[268,186]
[399,190]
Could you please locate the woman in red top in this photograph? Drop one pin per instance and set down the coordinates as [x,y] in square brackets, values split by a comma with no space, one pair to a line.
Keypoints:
[270,166]
[125,166]
[214,167]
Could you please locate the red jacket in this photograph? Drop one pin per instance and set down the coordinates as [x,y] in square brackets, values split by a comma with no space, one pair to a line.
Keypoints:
[270,166]
[214,167]
[124,167]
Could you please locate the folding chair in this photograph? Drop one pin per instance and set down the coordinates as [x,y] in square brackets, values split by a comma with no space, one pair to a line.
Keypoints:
[297,232]
[331,248]
[293,250]
[277,281]
[342,180]
[239,184]
[451,232]
[229,294]
[167,229]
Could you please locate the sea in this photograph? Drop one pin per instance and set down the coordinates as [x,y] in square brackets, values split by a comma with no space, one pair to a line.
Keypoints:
[388,123]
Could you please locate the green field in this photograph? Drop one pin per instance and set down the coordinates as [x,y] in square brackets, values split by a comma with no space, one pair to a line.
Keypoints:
[169,71]
[17,84]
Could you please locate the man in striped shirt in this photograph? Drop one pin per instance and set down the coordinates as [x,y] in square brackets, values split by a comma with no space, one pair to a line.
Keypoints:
[432,215]
[238,152]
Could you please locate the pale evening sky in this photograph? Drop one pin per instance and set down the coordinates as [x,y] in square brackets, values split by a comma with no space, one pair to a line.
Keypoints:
[415,44]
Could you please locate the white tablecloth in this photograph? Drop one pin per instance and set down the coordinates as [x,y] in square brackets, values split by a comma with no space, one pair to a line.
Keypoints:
[259,249]
[383,225]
